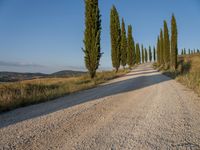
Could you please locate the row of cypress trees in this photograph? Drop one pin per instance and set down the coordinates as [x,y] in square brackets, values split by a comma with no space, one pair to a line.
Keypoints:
[148,55]
[124,51]
[189,51]
[167,50]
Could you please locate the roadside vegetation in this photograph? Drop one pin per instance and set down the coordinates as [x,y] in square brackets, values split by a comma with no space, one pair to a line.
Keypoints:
[18,94]
[185,68]
[188,71]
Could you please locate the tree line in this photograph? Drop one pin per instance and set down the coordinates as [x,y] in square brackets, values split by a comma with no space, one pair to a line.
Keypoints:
[124,50]
[189,51]
[167,48]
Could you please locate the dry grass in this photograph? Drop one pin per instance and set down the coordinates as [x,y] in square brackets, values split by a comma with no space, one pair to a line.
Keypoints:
[190,75]
[13,95]
[188,72]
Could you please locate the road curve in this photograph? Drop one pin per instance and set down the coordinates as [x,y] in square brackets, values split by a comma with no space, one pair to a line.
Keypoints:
[141,110]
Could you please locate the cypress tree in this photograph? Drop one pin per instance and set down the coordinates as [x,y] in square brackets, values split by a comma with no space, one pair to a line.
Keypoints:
[166,46]
[130,48]
[123,45]
[138,59]
[115,34]
[150,54]
[92,48]
[184,51]
[146,55]
[142,54]
[161,48]
[158,51]
[154,54]
[139,55]
[174,43]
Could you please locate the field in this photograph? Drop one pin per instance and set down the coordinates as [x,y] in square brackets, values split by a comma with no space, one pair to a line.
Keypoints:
[188,72]
[18,94]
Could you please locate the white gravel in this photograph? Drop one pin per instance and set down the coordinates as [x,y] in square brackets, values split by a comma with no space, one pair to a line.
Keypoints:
[142,110]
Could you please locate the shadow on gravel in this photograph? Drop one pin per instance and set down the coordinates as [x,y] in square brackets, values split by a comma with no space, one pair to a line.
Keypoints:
[141,70]
[186,146]
[102,91]
[141,73]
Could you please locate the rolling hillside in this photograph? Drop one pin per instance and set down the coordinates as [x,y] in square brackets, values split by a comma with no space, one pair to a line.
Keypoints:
[16,76]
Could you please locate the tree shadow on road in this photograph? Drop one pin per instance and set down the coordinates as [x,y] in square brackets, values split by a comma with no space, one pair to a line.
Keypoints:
[140,73]
[42,109]
[141,70]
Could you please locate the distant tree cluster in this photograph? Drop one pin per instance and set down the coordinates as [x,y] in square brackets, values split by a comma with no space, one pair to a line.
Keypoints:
[167,49]
[189,51]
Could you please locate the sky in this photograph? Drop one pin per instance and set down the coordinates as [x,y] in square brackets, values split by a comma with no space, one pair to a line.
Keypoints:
[47,35]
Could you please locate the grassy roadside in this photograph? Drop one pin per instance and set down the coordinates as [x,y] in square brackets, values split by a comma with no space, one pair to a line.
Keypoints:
[19,94]
[188,72]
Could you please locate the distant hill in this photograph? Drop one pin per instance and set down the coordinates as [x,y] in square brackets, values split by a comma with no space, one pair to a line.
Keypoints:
[67,73]
[16,76]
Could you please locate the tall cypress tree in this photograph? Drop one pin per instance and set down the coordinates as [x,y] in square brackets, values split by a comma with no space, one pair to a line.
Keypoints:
[182,52]
[166,46]
[174,43]
[161,48]
[158,51]
[138,59]
[130,48]
[115,34]
[150,54]
[154,54]
[92,48]
[142,54]
[146,55]
[123,45]
[139,55]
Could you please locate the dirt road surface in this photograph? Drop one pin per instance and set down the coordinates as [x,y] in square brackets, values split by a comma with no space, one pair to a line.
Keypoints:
[141,110]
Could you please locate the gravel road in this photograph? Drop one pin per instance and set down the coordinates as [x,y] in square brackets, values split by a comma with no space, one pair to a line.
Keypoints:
[141,110]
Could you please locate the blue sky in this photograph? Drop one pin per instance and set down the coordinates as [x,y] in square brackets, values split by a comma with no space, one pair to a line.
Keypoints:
[46,35]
